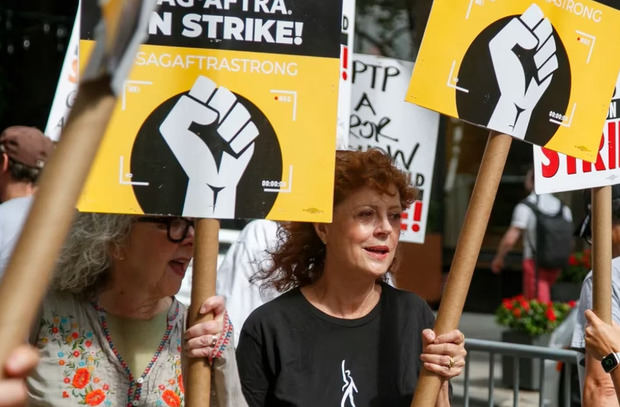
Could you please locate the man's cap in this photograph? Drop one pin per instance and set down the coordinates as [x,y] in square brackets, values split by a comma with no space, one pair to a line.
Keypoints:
[26,145]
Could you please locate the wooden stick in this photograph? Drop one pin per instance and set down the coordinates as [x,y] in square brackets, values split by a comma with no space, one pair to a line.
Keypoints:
[206,243]
[466,254]
[30,267]
[601,252]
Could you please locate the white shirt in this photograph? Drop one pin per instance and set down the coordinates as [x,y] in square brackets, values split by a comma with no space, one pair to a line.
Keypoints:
[245,257]
[525,219]
[13,214]
[585,302]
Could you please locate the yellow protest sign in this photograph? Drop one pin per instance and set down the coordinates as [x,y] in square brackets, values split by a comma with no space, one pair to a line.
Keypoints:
[229,112]
[540,70]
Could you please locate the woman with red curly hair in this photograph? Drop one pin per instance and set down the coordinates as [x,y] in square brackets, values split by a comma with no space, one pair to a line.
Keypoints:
[340,334]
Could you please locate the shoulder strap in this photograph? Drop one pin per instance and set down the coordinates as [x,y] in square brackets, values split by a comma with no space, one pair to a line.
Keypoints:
[561,210]
[531,205]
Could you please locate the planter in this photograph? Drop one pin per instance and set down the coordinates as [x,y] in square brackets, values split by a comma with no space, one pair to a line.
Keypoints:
[565,292]
[529,369]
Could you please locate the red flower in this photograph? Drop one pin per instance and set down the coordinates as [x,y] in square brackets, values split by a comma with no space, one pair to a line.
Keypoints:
[74,335]
[95,397]
[171,399]
[67,380]
[525,305]
[65,395]
[516,312]
[550,314]
[161,387]
[76,353]
[180,381]
[81,378]
[572,303]
[54,330]
[88,343]
[572,260]
[106,387]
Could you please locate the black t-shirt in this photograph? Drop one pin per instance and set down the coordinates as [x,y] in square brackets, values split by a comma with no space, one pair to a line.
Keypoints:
[292,354]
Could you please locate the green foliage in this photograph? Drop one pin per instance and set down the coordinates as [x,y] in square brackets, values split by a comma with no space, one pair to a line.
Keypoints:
[532,316]
[578,267]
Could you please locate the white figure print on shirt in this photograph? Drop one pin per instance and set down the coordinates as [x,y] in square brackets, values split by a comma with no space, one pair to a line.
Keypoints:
[348,388]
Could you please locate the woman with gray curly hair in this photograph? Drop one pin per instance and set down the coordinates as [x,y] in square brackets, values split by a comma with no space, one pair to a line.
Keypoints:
[110,331]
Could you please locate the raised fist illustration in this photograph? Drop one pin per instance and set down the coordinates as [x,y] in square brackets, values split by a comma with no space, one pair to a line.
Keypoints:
[212,186]
[518,94]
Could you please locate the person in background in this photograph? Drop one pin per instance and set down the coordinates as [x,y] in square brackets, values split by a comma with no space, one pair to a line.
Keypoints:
[536,283]
[110,331]
[340,335]
[23,153]
[246,257]
[598,388]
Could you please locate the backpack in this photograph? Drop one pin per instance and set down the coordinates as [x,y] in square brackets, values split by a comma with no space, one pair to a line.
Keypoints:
[554,237]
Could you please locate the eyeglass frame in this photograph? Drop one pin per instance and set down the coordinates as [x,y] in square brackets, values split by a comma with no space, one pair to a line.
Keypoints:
[167,220]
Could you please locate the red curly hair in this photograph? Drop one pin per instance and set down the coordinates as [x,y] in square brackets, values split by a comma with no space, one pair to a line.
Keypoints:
[300,256]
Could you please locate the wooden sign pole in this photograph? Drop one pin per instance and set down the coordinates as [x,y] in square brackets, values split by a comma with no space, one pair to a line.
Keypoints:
[30,267]
[206,247]
[601,252]
[466,254]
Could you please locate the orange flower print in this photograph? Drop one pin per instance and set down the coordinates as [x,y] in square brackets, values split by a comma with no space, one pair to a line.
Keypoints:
[95,397]
[61,362]
[171,381]
[181,387]
[171,399]
[81,378]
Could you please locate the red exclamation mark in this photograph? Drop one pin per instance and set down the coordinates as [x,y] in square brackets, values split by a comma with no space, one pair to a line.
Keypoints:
[403,221]
[417,215]
[611,144]
[345,61]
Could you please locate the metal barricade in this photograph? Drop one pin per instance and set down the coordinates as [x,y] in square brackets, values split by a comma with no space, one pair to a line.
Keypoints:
[569,357]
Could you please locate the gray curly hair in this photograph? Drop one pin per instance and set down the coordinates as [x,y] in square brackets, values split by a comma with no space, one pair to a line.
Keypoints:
[82,268]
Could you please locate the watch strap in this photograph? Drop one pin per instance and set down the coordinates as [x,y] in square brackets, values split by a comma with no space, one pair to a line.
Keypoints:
[611,361]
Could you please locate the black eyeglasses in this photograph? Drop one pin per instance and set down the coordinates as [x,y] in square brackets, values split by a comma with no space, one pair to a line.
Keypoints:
[176,228]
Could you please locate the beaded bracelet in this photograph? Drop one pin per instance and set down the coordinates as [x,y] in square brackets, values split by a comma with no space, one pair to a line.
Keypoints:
[222,340]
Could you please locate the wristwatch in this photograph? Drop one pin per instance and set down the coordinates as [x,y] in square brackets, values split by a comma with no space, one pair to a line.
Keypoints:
[610,362]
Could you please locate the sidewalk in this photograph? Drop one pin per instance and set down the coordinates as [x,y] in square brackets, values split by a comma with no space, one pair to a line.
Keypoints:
[483,326]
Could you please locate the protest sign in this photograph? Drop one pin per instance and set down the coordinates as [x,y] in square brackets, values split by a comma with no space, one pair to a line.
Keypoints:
[67,86]
[344,88]
[539,70]
[555,172]
[229,112]
[381,118]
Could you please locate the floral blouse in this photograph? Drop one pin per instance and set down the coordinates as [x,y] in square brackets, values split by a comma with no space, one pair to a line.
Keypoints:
[80,365]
